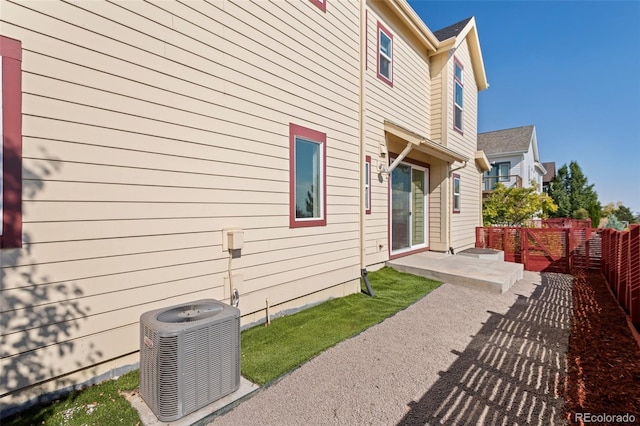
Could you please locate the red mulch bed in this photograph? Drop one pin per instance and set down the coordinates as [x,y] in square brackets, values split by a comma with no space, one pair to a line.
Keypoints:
[604,357]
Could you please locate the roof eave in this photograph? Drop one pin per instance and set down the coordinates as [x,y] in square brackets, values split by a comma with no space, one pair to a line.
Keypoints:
[505,154]
[405,12]
[477,62]
[540,167]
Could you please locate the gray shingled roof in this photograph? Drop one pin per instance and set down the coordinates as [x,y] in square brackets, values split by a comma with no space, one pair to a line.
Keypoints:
[451,30]
[551,171]
[507,140]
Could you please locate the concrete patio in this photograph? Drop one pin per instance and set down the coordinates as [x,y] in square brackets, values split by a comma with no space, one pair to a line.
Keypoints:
[474,268]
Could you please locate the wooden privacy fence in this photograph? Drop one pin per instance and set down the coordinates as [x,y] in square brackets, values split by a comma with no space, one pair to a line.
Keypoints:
[563,249]
[621,267]
[552,249]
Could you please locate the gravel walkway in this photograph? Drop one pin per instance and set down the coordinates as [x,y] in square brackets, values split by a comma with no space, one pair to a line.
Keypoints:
[458,356]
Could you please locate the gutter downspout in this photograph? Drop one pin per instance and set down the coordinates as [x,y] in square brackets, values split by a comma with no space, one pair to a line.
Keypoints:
[361,118]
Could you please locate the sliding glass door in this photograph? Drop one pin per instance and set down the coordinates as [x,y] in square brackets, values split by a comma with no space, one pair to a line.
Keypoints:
[409,218]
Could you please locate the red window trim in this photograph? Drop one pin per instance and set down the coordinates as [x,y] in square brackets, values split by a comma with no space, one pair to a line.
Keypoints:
[11,52]
[367,160]
[388,34]
[455,79]
[321,138]
[321,4]
[453,193]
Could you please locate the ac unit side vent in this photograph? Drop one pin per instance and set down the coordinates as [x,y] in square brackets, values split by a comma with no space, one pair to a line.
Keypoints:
[186,365]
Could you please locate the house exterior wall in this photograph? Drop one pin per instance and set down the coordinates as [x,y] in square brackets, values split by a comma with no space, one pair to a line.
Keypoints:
[147,130]
[522,165]
[516,167]
[406,103]
[463,224]
[529,171]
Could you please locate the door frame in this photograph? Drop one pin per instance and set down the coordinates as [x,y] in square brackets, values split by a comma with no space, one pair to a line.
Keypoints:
[417,248]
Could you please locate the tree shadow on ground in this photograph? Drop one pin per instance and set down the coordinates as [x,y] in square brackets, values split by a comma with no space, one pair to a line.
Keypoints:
[513,370]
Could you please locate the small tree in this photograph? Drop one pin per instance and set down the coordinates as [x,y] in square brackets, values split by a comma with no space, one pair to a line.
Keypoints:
[625,214]
[570,191]
[581,214]
[621,212]
[614,223]
[513,206]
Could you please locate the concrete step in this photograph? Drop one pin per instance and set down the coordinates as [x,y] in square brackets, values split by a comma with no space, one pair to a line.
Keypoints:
[490,275]
[483,253]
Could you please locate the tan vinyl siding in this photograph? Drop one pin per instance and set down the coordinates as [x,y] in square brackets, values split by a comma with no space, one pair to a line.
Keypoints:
[467,142]
[438,93]
[463,224]
[150,127]
[407,103]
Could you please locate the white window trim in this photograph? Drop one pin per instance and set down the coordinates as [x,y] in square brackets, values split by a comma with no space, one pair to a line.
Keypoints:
[382,30]
[367,186]
[457,194]
[458,82]
[425,207]
[502,177]
[320,167]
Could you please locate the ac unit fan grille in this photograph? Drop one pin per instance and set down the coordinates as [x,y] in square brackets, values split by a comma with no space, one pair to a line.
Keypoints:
[187,365]
[168,376]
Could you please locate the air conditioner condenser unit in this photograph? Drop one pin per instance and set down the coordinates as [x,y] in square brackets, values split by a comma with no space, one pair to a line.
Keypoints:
[189,356]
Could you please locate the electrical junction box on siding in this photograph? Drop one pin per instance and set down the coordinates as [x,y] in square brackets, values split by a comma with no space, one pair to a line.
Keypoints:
[232,239]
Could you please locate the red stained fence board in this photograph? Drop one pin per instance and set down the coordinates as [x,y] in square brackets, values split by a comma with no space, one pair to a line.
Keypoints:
[555,248]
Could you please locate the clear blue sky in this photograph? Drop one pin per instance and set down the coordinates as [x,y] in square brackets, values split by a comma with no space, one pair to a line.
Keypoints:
[572,69]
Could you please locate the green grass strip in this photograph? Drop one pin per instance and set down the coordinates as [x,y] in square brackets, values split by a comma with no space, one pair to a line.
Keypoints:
[267,352]
[96,405]
[290,341]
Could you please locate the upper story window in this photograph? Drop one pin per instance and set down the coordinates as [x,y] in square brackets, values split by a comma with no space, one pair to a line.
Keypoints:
[503,171]
[500,172]
[307,177]
[458,97]
[385,55]
[322,4]
[10,143]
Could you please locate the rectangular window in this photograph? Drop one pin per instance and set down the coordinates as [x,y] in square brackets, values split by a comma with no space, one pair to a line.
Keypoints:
[307,177]
[385,55]
[321,4]
[503,171]
[10,143]
[367,185]
[456,193]
[458,77]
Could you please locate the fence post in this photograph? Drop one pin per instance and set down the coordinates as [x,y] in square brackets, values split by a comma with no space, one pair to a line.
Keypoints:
[587,248]
[569,248]
[634,274]
[524,242]
[616,279]
[505,234]
[624,269]
[605,253]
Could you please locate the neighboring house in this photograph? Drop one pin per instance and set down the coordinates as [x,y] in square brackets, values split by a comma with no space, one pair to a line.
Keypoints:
[134,134]
[550,167]
[513,154]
